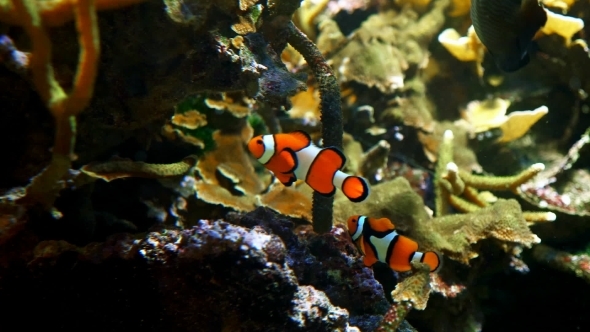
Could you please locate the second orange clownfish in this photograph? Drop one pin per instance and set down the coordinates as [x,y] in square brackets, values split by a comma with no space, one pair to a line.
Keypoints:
[378,241]
[293,156]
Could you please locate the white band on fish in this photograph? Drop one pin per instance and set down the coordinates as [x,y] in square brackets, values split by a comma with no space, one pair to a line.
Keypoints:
[417,257]
[359,228]
[269,148]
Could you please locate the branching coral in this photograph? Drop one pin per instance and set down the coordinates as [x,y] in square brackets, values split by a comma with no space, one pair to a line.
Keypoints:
[35,17]
[571,199]
[460,189]
[55,12]
[576,264]
[64,107]
[117,169]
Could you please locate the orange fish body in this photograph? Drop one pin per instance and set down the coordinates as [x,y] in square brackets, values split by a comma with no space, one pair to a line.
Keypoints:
[293,156]
[378,241]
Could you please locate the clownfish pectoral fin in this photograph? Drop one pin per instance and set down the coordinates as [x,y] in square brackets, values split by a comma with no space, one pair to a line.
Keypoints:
[288,161]
[302,137]
[369,260]
[355,188]
[286,179]
[433,260]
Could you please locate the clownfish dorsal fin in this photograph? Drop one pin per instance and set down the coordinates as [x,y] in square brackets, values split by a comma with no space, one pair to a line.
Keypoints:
[302,137]
[381,225]
[289,159]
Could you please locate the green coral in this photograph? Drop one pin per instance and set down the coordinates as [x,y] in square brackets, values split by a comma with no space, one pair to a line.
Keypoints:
[205,133]
[257,123]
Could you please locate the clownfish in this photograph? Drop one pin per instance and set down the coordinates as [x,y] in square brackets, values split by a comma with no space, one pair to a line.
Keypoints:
[292,156]
[378,241]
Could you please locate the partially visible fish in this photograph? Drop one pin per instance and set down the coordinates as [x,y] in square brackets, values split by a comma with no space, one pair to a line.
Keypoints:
[507,28]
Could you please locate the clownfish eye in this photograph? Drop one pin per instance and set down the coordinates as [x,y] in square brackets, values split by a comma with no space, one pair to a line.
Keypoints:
[259,141]
[354,220]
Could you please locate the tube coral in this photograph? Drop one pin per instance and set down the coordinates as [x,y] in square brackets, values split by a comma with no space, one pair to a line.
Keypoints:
[331,118]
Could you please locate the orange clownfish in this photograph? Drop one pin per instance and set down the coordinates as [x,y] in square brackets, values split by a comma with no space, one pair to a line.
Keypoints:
[293,156]
[378,241]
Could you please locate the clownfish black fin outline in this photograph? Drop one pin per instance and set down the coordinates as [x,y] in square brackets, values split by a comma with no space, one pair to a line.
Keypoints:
[330,194]
[292,180]
[286,179]
[366,190]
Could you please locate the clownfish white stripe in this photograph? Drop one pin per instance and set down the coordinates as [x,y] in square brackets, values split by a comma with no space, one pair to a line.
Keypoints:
[269,148]
[305,158]
[359,229]
[339,178]
[417,257]
[382,245]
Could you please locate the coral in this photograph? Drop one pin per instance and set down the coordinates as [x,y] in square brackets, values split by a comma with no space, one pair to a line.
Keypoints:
[415,289]
[305,16]
[117,169]
[485,115]
[579,264]
[453,234]
[564,5]
[260,275]
[244,14]
[374,159]
[226,173]
[468,48]
[190,120]
[64,107]
[571,197]
[306,106]
[460,189]
[286,200]
[385,47]
[394,317]
[331,116]
[275,84]
[330,263]
[56,12]
[460,8]
[562,25]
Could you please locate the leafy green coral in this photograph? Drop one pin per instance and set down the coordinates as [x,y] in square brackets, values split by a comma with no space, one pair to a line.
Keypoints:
[204,133]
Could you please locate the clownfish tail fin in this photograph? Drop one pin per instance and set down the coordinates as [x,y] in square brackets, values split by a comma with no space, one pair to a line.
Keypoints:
[355,188]
[433,260]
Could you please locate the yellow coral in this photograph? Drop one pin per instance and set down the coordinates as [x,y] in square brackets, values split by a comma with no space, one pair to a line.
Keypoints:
[564,5]
[562,25]
[460,8]
[485,115]
[468,48]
